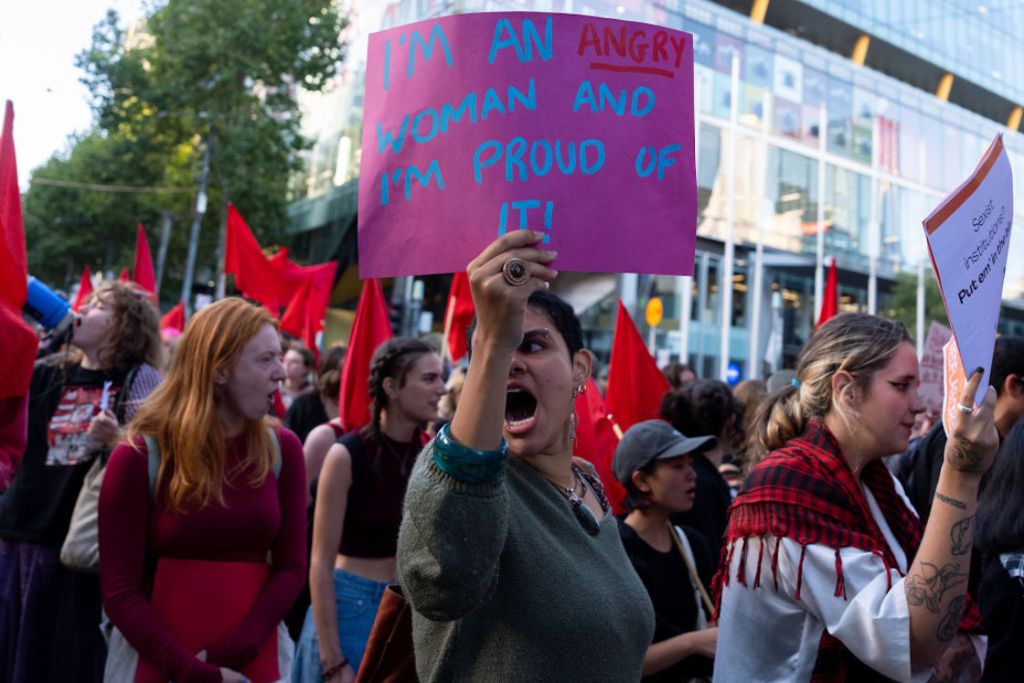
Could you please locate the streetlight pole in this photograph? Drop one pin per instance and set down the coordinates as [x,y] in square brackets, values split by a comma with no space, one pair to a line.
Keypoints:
[197,221]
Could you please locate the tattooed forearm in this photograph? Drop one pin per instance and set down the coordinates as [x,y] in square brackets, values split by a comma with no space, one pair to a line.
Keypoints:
[961,536]
[951,501]
[927,587]
[949,624]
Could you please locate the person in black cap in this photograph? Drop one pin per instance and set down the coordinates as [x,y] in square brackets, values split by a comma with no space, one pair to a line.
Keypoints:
[654,463]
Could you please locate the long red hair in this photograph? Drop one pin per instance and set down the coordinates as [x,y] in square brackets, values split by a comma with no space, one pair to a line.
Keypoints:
[183,413]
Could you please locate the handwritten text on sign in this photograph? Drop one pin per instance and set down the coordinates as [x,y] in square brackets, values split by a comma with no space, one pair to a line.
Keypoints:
[477,124]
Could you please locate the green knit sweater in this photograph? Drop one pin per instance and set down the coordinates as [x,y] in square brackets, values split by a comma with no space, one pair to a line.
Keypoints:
[506,585]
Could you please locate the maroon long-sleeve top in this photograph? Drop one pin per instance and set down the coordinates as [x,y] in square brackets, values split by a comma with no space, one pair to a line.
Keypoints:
[134,533]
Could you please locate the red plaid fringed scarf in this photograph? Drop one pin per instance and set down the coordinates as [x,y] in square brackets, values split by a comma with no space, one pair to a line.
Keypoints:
[805,492]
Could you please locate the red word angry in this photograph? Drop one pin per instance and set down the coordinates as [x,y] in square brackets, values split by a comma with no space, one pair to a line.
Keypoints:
[659,53]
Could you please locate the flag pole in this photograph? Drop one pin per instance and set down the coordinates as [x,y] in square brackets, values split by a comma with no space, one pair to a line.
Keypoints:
[449,317]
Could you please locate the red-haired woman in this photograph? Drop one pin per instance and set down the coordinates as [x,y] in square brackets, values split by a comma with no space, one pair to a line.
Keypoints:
[202,524]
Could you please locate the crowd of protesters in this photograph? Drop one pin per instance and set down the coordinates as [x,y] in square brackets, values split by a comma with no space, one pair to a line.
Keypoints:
[809,527]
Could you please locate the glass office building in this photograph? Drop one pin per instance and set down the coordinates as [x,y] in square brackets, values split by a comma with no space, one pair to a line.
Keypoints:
[801,146]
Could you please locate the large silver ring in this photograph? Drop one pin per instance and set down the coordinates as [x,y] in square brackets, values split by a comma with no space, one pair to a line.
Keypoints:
[516,272]
[966,410]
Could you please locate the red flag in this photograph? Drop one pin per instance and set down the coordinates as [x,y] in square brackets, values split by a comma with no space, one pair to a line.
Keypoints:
[84,290]
[635,384]
[174,318]
[13,268]
[458,316]
[254,275]
[371,327]
[124,276]
[830,299]
[143,271]
[18,342]
[298,318]
[596,441]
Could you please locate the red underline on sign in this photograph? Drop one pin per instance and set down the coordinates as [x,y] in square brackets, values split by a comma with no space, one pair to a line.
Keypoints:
[633,69]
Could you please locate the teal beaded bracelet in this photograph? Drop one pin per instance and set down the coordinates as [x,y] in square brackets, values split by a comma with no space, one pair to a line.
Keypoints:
[468,464]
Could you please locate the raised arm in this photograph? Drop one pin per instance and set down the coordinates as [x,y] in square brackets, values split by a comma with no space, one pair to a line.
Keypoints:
[456,508]
[936,583]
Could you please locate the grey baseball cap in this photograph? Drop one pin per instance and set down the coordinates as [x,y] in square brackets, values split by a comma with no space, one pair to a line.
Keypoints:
[652,440]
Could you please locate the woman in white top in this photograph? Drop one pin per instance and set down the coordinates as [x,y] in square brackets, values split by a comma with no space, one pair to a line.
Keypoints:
[815,582]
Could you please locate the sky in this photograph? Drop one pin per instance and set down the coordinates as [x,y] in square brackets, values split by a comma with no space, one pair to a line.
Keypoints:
[38,43]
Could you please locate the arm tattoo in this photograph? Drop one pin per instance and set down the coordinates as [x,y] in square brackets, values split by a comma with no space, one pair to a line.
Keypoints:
[961,536]
[951,622]
[961,456]
[951,501]
[927,587]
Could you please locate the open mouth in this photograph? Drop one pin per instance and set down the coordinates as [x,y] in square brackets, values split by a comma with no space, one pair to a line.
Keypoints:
[520,410]
[270,401]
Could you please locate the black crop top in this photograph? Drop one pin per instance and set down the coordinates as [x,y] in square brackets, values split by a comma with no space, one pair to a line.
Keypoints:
[380,475]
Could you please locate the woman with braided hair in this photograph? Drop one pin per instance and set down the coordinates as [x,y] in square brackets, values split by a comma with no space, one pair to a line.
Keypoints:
[359,508]
[828,573]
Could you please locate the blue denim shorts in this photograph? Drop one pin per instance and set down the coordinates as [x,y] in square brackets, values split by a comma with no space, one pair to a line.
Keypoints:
[357,600]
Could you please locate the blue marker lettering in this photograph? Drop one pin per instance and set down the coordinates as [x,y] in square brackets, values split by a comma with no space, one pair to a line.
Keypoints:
[514,155]
[433,171]
[491,101]
[448,114]
[645,170]
[524,49]
[503,219]
[592,168]
[427,48]
[479,164]
[564,167]
[435,125]
[546,166]
[529,101]
[387,64]
[664,160]
[385,137]
[634,107]
[584,95]
[525,205]
[549,210]
[618,105]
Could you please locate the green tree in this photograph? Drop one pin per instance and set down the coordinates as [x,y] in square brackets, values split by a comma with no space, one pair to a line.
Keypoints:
[903,302]
[224,72]
[69,227]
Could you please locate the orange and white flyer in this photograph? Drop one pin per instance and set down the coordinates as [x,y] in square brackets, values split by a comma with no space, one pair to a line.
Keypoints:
[968,240]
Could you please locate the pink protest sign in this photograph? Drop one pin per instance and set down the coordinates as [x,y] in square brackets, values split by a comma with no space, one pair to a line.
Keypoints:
[476,124]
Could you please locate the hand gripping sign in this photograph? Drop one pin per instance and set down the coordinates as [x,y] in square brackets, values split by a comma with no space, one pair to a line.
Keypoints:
[476,124]
[968,241]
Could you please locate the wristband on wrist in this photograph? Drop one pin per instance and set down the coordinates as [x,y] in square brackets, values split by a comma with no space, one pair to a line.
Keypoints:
[335,670]
[468,464]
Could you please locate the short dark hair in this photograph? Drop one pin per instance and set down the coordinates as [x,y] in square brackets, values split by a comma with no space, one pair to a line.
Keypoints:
[635,499]
[560,313]
[1007,359]
[704,406]
[1000,522]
